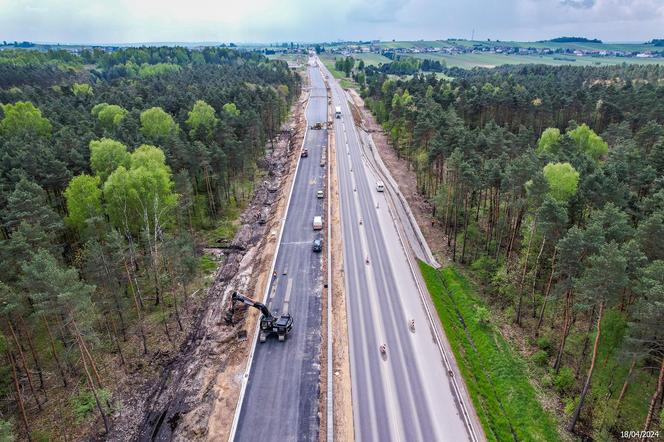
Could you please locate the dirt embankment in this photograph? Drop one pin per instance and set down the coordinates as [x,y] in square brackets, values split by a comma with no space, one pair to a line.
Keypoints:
[196,394]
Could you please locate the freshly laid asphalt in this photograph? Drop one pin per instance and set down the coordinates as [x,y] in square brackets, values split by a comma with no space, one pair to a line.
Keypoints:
[281,402]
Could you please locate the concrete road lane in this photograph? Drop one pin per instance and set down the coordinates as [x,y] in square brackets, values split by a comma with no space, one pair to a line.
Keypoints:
[405,396]
[281,401]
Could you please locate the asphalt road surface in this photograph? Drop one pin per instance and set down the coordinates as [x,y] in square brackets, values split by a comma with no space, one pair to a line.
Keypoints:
[405,395]
[281,402]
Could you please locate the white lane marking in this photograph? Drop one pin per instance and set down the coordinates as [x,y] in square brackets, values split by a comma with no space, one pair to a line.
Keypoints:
[295,243]
[386,372]
[289,286]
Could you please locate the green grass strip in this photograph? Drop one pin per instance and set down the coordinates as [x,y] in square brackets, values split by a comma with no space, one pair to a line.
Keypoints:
[496,376]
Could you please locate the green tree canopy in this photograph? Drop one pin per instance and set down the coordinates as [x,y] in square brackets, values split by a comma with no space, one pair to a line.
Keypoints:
[202,120]
[23,117]
[28,203]
[231,109]
[563,180]
[589,142]
[157,124]
[549,137]
[56,289]
[106,155]
[109,115]
[149,157]
[81,89]
[141,197]
[83,197]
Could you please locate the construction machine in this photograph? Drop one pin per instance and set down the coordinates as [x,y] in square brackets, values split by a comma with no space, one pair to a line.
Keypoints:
[269,323]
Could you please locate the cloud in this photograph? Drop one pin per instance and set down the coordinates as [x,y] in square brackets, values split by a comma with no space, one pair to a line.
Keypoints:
[579,4]
[377,11]
[125,21]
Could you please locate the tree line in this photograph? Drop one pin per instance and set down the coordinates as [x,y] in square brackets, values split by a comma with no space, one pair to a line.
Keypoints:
[548,183]
[110,181]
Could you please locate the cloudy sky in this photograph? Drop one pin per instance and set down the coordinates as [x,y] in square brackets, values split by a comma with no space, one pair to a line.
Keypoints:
[125,21]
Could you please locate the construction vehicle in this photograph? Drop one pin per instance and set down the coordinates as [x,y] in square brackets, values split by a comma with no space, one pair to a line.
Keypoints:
[316,126]
[269,324]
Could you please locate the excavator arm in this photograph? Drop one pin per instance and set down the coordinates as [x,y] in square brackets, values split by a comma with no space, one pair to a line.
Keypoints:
[251,303]
[268,323]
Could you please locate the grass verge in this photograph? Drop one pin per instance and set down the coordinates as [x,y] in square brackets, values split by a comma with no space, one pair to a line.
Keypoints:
[495,375]
[344,81]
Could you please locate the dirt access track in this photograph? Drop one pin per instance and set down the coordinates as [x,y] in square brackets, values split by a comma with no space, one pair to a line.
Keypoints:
[196,395]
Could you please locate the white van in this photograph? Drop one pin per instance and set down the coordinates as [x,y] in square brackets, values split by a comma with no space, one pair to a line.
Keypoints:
[318,222]
[380,186]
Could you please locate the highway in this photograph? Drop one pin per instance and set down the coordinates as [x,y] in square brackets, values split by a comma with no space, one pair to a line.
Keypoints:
[405,395]
[281,401]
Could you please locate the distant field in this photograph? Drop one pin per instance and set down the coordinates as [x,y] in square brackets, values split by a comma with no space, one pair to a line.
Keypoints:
[414,44]
[469,61]
[372,59]
[637,47]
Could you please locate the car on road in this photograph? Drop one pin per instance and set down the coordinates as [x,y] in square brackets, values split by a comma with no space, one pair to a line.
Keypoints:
[318,222]
[317,245]
[320,194]
[380,186]
[305,153]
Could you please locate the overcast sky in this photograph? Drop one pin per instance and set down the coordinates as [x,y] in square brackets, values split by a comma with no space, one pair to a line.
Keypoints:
[126,21]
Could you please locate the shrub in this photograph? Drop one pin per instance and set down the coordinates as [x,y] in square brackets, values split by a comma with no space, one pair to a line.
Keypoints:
[570,405]
[6,431]
[546,381]
[564,380]
[40,436]
[540,358]
[544,344]
[482,315]
[485,268]
[81,89]
[84,402]
[207,264]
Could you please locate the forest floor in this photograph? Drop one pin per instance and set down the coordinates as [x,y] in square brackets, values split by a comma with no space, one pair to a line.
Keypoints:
[433,232]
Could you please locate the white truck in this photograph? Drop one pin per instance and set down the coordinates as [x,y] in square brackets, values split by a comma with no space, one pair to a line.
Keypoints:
[337,112]
[318,222]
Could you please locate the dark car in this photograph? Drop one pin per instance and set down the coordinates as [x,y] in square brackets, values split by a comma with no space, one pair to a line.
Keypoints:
[305,153]
[317,245]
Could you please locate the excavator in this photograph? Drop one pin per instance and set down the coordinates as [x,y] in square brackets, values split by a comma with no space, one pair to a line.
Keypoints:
[269,323]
